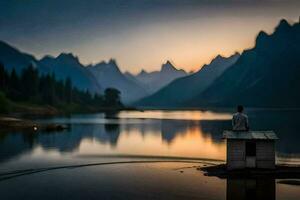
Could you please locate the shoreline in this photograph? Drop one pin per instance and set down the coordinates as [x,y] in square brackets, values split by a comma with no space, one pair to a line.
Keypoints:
[8,124]
[280,172]
[215,109]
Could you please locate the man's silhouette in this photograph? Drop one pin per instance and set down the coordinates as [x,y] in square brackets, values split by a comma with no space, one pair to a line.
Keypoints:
[240,120]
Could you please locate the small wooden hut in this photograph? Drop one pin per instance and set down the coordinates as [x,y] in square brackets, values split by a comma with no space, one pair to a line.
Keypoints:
[253,149]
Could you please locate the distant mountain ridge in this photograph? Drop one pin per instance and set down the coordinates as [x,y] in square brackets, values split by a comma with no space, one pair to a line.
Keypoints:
[13,58]
[267,75]
[187,87]
[63,66]
[67,65]
[94,78]
[109,75]
[155,80]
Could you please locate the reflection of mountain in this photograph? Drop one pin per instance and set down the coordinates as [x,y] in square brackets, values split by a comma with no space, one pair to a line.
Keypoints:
[284,123]
[215,128]
[170,129]
[67,141]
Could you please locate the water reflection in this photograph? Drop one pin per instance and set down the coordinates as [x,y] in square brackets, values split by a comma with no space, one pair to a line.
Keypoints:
[113,132]
[167,137]
[130,133]
[244,189]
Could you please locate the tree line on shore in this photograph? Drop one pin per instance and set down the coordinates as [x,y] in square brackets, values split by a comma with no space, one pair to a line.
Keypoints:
[31,87]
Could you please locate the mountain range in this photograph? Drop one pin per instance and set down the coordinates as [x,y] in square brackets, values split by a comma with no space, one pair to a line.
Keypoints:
[267,75]
[95,78]
[11,57]
[153,81]
[67,65]
[63,66]
[108,74]
[185,88]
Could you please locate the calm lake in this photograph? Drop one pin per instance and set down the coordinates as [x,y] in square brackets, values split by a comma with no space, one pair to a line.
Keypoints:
[139,155]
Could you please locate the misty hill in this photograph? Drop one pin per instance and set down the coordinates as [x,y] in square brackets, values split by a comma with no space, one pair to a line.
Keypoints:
[187,87]
[154,81]
[67,65]
[63,66]
[11,57]
[267,75]
[108,74]
[94,78]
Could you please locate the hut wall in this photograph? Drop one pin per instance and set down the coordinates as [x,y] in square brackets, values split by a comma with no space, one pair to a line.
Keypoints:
[235,154]
[265,154]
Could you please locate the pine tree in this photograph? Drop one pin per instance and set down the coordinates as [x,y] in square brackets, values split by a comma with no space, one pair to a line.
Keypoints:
[68,90]
[31,87]
[14,86]
[2,77]
[30,83]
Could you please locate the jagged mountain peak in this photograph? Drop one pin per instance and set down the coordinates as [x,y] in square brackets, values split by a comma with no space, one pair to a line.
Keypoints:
[106,67]
[68,57]
[47,57]
[254,73]
[168,62]
[112,61]
[190,85]
[99,64]
[217,59]
[261,37]
[168,66]
[220,58]
[283,25]
[142,72]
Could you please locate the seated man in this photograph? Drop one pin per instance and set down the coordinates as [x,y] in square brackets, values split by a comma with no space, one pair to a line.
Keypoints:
[240,120]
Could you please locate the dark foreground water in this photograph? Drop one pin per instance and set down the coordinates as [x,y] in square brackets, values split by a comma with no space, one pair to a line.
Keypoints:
[139,155]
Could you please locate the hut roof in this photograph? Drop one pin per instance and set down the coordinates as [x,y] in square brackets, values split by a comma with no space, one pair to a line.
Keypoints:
[249,135]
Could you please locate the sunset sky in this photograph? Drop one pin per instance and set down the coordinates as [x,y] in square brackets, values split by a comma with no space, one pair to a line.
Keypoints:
[140,33]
